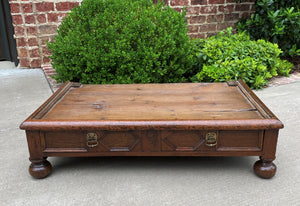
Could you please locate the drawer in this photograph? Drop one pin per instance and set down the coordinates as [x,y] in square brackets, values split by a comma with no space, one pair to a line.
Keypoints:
[187,141]
[240,140]
[92,141]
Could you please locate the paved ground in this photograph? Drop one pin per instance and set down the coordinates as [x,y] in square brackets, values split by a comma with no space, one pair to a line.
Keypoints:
[140,180]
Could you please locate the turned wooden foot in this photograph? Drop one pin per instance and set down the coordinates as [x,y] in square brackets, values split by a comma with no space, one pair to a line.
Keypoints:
[264,169]
[40,169]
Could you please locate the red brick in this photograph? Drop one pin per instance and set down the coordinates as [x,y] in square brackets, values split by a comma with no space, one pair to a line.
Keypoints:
[46,60]
[192,28]
[215,18]
[29,19]
[208,10]
[198,2]
[53,17]
[226,9]
[197,19]
[31,31]
[179,2]
[208,28]
[246,15]
[242,7]
[192,10]
[27,8]
[231,17]
[21,42]
[178,9]
[65,6]
[17,19]
[44,6]
[34,63]
[34,52]
[211,34]
[19,31]
[225,25]
[22,52]
[41,18]
[46,52]
[216,2]
[24,62]
[32,42]
[15,8]
[197,36]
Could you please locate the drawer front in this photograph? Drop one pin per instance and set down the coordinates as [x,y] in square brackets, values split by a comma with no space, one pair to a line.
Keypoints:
[188,141]
[240,140]
[92,141]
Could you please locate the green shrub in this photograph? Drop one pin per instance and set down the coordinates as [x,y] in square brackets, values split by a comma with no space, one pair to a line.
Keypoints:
[227,56]
[276,21]
[122,41]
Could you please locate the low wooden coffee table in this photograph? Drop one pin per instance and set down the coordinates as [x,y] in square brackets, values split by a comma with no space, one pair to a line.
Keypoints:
[189,119]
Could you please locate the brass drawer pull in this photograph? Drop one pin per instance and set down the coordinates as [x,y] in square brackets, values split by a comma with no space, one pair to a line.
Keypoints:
[211,139]
[91,140]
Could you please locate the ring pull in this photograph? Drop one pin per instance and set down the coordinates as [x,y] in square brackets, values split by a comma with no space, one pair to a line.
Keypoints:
[91,140]
[211,139]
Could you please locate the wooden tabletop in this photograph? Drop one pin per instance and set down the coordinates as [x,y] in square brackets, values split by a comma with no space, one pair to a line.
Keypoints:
[153,102]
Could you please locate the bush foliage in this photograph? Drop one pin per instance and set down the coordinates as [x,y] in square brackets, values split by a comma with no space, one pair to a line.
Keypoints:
[122,41]
[276,21]
[228,56]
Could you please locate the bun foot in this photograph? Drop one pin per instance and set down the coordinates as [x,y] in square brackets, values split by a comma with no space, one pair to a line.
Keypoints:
[264,169]
[40,169]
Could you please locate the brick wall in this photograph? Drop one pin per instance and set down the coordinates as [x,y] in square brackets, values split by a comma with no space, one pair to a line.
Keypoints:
[36,21]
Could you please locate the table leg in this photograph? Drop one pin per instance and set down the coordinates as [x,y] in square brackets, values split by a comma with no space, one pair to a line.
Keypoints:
[39,167]
[265,167]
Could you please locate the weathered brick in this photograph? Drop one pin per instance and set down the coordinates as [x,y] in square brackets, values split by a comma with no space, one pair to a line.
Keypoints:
[27,8]
[24,62]
[46,60]
[208,28]
[192,28]
[14,7]
[192,10]
[19,31]
[197,36]
[46,52]
[29,19]
[197,19]
[41,18]
[225,25]
[47,29]
[198,2]
[22,52]
[21,42]
[44,6]
[242,7]
[17,19]
[215,18]
[231,17]
[31,31]
[65,6]
[179,3]
[34,52]
[35,63]
[55,17]
[216,2]
[32,41]
[226,9]
[208,10]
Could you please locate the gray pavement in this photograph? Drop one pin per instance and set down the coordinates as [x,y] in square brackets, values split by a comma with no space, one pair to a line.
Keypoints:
[142,180]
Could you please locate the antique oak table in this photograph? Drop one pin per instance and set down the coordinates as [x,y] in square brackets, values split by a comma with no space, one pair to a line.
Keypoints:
[188,119]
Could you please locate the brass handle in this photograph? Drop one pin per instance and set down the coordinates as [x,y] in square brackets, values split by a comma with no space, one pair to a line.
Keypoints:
[211,139]
[91,139]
